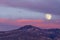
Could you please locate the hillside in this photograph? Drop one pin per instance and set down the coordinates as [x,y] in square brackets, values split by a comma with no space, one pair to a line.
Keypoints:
[30,32]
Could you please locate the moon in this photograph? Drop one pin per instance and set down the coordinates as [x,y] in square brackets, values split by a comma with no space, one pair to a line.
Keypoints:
[48,16]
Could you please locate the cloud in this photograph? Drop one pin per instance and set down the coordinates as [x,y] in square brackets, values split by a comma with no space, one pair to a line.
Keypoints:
[22,13]
[19,13]
[47,6]
[43,6]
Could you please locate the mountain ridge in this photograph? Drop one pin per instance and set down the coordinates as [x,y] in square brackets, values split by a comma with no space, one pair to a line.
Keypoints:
[29,32]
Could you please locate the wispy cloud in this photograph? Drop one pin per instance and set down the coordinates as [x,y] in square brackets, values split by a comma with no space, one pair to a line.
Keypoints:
[21,13]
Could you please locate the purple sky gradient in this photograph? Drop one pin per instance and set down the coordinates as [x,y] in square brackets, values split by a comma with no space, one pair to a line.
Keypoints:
[29,9]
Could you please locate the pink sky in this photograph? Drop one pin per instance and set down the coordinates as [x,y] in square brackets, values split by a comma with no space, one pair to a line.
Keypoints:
[38,23]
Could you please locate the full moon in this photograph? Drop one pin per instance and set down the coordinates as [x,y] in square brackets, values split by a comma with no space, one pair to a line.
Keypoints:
[48,16]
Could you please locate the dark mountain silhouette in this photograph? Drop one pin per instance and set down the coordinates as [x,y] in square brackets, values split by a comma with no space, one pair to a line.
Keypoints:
[30,32]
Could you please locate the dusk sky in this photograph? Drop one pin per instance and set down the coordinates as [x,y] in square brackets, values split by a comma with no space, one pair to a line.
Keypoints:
[17,13]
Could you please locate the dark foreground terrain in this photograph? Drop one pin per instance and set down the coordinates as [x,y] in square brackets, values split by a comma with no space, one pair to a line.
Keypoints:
[29,32]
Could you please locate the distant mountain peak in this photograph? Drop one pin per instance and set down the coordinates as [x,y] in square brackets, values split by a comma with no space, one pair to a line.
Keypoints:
[26,27]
